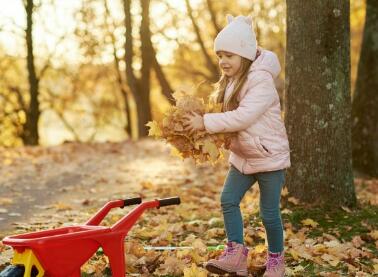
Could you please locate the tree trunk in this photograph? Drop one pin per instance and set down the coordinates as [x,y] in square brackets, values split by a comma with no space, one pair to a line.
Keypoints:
[140,88]
[318,102]
[125,93]
[30,132]
[143,97]
[365,101]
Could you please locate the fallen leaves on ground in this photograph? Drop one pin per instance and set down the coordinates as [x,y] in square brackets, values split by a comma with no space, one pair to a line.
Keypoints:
[103,172]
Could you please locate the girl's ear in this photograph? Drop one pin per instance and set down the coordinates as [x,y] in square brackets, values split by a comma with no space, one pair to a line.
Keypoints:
[229,18]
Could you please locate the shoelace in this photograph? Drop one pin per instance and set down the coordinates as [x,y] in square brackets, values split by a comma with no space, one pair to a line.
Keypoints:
[229,250]
[273,262]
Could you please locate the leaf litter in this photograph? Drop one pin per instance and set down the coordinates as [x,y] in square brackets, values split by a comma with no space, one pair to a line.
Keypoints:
[83,177]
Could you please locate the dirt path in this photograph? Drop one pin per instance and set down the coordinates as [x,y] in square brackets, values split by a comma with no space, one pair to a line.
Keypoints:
[57,184]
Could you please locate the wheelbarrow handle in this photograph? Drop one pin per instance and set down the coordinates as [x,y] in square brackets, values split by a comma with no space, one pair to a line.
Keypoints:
[100,215]
[169,201]
[125,223]
[132,201]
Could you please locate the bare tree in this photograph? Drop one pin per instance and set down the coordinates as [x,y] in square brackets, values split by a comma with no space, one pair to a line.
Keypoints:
[140,87]
[125,92]
[27,98]
[30,133]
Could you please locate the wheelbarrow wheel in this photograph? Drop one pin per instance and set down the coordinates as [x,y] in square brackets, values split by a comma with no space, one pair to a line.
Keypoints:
[13,271]
[16,271]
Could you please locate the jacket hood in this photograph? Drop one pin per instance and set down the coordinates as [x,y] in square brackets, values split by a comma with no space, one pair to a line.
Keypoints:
[267,61]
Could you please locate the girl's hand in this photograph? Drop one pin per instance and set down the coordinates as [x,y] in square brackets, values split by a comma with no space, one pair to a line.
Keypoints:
[193,122]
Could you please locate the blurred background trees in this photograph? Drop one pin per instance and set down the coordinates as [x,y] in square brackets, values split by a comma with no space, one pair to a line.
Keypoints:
[98,70]
[110,66]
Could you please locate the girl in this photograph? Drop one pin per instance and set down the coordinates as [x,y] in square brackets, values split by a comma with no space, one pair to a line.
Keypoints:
[259,152]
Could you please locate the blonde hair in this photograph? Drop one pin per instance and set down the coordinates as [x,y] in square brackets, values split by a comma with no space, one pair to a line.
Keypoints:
[220,87]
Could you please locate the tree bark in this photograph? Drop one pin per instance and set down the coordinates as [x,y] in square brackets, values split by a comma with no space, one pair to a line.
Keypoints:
[126,95]
[131,78]
[143,98]
[318,102]
[365,101]
[140,88]
[30,132]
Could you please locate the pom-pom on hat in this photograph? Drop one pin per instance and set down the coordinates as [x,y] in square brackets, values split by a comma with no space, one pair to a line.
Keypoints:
[237,37]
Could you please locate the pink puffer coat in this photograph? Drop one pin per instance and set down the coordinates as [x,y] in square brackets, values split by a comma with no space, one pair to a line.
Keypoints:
[261,143]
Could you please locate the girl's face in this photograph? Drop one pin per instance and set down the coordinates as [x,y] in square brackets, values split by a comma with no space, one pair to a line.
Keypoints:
[229,63]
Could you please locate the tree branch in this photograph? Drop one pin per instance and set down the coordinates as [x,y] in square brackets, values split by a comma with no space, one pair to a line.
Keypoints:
[48,63]
[213,16]
[131,78]
[165,86]
[210,64]
[20,98]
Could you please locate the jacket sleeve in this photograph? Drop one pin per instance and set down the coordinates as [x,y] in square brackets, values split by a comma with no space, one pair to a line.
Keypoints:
[260,95]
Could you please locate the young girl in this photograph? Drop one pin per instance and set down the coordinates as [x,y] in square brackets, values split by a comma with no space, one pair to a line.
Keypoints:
[259,152]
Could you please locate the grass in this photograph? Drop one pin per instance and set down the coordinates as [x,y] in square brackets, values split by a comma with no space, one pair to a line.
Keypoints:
[344,224]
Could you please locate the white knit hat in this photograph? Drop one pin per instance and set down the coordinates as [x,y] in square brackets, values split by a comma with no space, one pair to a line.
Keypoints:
[237,37]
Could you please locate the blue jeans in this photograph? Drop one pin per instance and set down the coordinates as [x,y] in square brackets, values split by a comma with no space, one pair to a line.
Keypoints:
[236,185]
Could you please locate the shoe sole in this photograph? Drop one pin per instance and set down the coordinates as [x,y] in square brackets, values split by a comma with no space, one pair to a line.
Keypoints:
[213,269]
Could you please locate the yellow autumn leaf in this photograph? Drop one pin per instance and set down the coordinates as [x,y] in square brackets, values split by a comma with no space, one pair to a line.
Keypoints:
[154,130]
[176,153]
[309,222]
[146,233]
[169,237]
[374,234]
[332,260]
[194,271]
[285,192]
[294,254]
[211,149]
[196,257]
[375,266]
[320,248]
[260,248]
[62,207]
[171,266]
[199,245]
[293,200]
[5,201]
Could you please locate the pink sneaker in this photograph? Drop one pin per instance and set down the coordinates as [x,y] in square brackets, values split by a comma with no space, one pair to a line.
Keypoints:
[232,261]
[275,265]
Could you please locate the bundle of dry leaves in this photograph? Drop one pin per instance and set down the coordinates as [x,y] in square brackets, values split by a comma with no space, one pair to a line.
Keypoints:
[200,145]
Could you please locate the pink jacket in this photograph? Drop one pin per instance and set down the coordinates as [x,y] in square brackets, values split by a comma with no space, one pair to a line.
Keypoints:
[261,143]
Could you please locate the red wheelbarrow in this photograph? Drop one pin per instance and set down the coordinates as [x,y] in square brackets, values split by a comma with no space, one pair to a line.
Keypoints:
[62,251]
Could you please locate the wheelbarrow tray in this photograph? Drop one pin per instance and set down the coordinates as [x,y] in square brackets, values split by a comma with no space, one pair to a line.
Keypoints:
[61,251]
